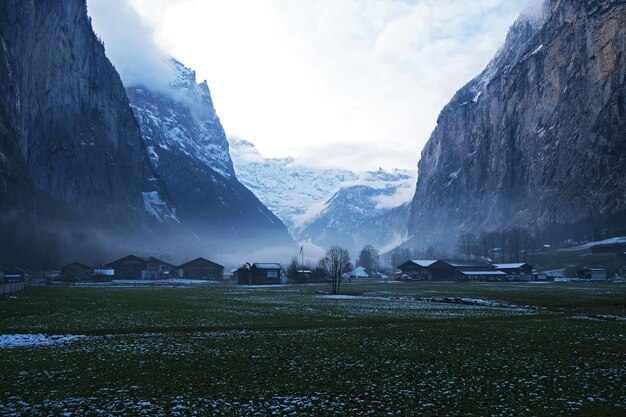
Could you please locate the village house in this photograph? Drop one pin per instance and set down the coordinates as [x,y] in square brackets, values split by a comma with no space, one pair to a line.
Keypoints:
[201,268]
[450,270]
[417,270]
[15,274]
[520,271]
[135,267]
[76,271]
[594,274]
[259,274]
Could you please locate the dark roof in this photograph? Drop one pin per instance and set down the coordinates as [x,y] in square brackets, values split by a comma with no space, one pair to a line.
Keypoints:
[424,263]
[267,266]
[161,261]
[482,273]
[460,264]
[76,264]
[511,265]
[201,259]
[127,257]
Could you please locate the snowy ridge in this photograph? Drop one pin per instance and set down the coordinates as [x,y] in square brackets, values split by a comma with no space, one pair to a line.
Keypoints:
[314,203]
[187,121]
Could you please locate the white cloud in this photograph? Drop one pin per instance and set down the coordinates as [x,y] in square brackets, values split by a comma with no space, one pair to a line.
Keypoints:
[347,83]
[129,44]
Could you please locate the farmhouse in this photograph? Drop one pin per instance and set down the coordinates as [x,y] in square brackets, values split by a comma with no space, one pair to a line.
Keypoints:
[594,274]
[359,272]
[76,272]
[201,268]
[259,274]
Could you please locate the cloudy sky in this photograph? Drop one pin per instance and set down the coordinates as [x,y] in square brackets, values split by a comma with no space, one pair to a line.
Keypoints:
[338,83]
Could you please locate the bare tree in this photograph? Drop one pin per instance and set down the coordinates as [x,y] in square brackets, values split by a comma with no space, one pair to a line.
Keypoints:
[368,258]
[467,244]
[336,262]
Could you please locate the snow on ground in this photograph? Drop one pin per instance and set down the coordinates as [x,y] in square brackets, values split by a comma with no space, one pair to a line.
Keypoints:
[589,245]
[8,341]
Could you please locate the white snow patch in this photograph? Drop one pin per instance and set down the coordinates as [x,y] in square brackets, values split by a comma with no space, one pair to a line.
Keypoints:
[8,341]
[536,51]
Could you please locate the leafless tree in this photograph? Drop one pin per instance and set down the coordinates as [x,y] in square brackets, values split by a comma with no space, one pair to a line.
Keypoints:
[336,262]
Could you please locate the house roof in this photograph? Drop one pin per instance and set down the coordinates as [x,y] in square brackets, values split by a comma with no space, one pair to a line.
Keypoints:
[510,266]
[267,266]
[456,263]
[423,262]
[482,273]
[126,257]
[201,259]
[161,261]
[76,264]
[359,272]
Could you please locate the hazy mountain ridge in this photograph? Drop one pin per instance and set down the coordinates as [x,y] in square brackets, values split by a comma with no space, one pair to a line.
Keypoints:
[327,206]
[188,149]
[537,139]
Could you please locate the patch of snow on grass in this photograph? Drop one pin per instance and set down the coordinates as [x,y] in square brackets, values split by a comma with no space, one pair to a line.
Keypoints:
[8,341]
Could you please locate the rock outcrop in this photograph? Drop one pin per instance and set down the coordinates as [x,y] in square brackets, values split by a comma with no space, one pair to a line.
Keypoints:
[189,151]
[538,139]
[74,169]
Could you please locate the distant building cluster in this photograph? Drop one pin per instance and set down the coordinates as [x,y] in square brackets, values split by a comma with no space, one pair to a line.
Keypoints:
[133,267]
[464,271]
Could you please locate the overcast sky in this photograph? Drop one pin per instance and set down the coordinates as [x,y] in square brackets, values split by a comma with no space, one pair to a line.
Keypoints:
[338,83]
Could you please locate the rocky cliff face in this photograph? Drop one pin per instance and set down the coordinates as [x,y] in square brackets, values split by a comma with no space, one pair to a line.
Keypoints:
[72,153]
[539,138]
[189,151]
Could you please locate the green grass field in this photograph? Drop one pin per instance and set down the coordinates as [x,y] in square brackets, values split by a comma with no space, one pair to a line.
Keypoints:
[226,350]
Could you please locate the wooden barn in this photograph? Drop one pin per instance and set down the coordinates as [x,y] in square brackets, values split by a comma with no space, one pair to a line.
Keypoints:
[516,270]
[201,268]
[469,276]
[76,272]
[417,270]
[128,267]
[259,274]
[594,274]
[135,267]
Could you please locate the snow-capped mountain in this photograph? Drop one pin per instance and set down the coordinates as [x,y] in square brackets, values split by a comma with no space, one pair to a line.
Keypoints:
[188,149]
[327,206]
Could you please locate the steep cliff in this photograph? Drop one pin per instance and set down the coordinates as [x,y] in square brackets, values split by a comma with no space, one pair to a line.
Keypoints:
[72,159]
[188,149]
[538,139]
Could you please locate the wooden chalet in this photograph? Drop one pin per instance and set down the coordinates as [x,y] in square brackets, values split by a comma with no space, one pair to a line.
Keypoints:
[201,268]
[76,271]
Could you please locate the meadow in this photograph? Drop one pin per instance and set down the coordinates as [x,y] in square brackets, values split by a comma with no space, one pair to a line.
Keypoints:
[403,349]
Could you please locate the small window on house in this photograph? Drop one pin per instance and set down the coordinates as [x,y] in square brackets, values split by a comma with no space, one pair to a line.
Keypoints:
[272,274]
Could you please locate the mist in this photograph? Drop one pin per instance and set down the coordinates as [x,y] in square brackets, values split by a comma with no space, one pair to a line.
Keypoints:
[130,46]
